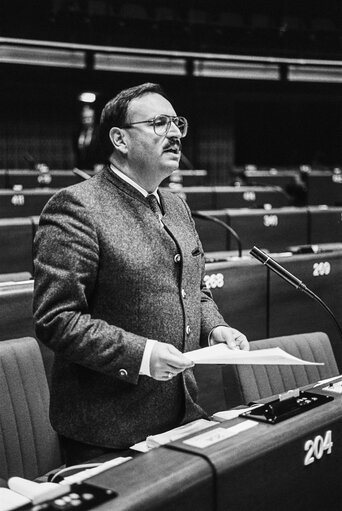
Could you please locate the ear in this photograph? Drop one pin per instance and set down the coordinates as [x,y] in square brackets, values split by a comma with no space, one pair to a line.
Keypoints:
[117,137]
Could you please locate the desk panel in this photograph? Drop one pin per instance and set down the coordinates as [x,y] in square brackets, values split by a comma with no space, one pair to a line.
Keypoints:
[16,310]
[273,229]
[160,480]
[16,235]
[272,177]
[249,196]
[292,311]
[324,188]
[197,197]
[35,179]
[23,203]
[325,224]
[239,287]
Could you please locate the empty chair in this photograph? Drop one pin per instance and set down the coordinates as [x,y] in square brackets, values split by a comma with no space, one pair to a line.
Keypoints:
[16,316]
[246,383]
[29,447]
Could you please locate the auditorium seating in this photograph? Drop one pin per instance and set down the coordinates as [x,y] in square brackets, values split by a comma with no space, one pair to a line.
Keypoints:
[246,383]
[29,446]
[16,316]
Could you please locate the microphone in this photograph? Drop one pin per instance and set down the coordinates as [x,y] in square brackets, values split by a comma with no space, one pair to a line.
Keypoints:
[291,279]
[277,268]
[198,214]
[81,173]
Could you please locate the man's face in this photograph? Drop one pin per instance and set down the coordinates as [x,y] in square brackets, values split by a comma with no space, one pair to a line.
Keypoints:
[87,117]
[148,153]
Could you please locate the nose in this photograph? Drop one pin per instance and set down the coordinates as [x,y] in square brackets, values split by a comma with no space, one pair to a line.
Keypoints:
[174,131]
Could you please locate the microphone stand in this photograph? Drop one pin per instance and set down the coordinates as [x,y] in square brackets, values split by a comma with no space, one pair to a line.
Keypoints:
[198,214]
[291,279]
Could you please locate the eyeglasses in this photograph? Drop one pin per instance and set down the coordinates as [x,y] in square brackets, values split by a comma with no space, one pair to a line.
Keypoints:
[162,124]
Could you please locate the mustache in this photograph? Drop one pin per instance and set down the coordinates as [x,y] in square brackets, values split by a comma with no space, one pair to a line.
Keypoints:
[173,143]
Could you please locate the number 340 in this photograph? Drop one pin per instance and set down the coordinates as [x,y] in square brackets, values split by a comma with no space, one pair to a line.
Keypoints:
[316,447]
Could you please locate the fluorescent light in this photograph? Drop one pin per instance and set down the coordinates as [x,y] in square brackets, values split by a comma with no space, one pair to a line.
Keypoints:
[328,74]
[139,64]
[221,69]
[42,56]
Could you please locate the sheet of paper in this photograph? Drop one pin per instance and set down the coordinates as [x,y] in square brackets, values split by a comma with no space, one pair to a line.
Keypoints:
[221,354]
[226,415]
[217,435]
[176,433]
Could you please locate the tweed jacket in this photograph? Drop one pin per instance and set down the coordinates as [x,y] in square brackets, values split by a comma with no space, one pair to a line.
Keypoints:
[108,276]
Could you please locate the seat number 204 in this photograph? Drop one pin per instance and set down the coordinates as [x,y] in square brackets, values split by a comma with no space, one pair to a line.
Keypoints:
[316,447]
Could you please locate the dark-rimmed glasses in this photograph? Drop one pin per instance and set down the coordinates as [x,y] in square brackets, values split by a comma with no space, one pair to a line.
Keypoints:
[162,124]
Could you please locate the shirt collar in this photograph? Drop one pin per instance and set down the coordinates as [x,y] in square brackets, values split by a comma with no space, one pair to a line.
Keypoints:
[133,183]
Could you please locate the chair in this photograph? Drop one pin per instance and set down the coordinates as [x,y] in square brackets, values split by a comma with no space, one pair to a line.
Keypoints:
[29,447]
[246,383]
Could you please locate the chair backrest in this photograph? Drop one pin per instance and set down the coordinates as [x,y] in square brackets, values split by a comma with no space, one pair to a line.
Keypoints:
[29,447]
[246,383]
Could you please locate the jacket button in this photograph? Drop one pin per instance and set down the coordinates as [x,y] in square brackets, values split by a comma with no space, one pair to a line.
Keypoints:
[188,330]
[177,258]
[123,373]
[183,293]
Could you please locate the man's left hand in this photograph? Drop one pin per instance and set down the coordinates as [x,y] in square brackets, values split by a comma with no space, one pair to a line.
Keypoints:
[234,339]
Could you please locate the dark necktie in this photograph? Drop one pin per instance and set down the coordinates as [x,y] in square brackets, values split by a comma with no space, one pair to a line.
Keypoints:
[154,205]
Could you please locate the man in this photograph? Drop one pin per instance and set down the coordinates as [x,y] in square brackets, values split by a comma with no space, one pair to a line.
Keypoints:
[85,142]
[118,287]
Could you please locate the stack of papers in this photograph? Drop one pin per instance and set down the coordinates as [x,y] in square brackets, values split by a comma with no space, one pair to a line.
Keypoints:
[221,354]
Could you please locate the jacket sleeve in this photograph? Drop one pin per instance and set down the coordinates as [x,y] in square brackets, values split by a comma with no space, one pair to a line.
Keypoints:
[66,261]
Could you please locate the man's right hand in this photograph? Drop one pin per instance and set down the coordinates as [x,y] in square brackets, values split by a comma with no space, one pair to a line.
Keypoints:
[166,362]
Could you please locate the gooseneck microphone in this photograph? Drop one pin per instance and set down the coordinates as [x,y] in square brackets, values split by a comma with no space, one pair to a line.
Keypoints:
[291,279]
[277,268]
[232,232]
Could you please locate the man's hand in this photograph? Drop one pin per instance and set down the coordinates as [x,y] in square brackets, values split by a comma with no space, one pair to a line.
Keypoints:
[234,339]
[166,362]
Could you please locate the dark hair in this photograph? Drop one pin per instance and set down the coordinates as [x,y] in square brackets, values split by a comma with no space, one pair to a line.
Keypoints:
[114,112]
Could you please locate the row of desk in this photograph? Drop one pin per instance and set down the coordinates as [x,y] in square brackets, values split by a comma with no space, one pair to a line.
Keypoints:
[62,178]
[273,230]
[322,186]
[30,201]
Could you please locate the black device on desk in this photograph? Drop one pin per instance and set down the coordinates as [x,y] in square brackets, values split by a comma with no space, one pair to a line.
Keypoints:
[80,496]
[287,405]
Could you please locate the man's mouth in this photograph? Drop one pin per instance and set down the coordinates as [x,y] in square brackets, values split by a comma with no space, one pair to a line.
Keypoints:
[174,148]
